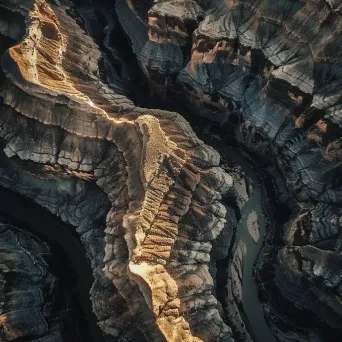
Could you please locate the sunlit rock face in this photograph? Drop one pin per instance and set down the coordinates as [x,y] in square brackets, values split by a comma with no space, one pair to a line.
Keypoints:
[268,72]
[79,149]
[142,192]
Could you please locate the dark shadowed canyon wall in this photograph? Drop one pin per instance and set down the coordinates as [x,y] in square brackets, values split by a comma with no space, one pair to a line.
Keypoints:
[188,154]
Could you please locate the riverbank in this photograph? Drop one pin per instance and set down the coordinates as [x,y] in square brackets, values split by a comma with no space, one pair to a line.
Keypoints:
[252,202]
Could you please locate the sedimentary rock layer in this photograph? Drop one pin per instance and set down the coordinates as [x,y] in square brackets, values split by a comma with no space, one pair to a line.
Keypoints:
[64,126]
[27,288]
[267,71]
[272,71]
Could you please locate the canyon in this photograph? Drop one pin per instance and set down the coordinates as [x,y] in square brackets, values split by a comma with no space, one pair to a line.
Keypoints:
[170,170]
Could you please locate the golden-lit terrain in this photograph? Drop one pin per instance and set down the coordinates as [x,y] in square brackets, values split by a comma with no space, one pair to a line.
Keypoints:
[162,169]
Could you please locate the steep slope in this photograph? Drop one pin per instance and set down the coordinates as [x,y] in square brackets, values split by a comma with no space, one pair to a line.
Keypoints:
[269,73]
[163,183]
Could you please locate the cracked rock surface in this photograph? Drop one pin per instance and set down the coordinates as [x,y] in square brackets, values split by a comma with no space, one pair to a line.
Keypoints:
[268,73]
[148,200]
[66,133]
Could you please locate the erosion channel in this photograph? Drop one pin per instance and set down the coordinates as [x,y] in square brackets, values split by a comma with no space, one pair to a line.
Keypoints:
[251,231]
[194,160]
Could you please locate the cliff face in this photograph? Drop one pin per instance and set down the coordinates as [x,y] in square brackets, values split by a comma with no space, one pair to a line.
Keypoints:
[62,125]
[27,287]
[270,69]
[143,192]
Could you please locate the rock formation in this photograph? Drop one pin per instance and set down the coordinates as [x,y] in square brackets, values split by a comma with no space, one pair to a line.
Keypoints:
[27,287]
[146,196]
[164,185]
[270,69]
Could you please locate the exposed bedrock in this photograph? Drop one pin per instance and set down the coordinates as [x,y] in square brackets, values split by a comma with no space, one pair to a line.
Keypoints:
[143,192]
[28,289]
[80,149]
[39,297]
[269,72]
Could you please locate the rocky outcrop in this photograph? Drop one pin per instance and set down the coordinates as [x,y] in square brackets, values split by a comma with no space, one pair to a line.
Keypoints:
[268,72]
[70,135]
[28,289]
[144,193]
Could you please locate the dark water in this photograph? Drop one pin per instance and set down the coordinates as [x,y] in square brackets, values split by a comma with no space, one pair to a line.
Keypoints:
[142,95]
[252,306]
[253,309]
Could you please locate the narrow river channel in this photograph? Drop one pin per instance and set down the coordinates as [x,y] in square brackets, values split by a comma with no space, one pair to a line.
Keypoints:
[253,309]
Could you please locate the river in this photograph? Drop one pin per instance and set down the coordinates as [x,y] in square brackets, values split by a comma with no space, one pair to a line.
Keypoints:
[253,309]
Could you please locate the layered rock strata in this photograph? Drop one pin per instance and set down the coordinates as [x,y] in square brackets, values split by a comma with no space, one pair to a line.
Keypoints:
[267,72]
[71,133]
[271,70]
[27,288]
